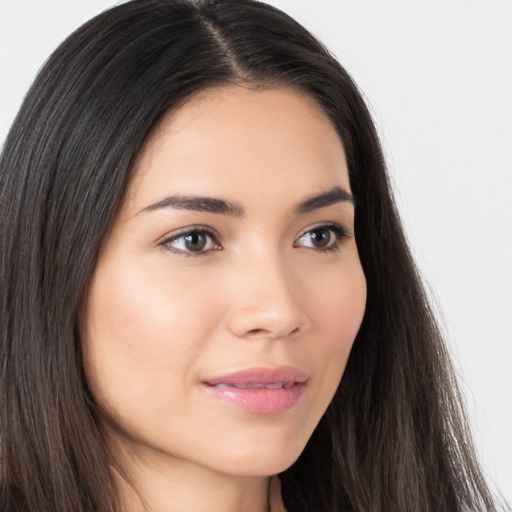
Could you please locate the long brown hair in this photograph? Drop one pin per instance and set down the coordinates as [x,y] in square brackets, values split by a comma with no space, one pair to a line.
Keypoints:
[395,435]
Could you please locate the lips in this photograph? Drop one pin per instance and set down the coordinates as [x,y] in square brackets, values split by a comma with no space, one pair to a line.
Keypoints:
[259,389]
[257,385]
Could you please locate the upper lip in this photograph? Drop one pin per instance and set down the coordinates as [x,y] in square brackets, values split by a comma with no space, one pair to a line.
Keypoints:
[261,375]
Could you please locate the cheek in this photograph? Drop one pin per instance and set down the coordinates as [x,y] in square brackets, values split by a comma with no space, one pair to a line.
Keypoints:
[340,308]
[339,313]
[142,305]
[141,328]
[336,303]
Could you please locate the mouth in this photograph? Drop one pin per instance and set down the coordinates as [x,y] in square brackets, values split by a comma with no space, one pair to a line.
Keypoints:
[256,385]
[260,390]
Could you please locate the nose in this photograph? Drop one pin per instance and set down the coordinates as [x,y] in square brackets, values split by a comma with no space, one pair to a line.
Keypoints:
[266,301]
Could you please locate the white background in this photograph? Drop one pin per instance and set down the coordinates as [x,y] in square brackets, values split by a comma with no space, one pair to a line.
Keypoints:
[438,78]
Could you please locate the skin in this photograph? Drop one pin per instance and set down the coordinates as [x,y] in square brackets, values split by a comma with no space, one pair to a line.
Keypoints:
[161,319]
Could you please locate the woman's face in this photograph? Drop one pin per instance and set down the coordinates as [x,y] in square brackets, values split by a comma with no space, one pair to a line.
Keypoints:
[228,294]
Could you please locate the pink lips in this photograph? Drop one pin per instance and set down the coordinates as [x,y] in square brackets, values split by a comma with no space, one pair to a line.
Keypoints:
[259,389]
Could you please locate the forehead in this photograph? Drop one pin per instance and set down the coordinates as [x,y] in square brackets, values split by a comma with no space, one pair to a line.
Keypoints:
[235,141]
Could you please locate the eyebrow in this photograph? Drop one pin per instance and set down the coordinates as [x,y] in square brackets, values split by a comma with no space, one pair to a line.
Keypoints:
[333,196]
[223,207]
[198,204]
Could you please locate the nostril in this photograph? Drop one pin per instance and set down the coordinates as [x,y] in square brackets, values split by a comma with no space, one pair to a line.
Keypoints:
[253,322]
[255,332]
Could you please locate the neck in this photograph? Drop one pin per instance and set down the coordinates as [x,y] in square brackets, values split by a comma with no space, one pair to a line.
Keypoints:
[174,485]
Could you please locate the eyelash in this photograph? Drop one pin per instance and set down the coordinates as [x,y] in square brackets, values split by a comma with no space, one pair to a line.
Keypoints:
[339,232]
[192,230]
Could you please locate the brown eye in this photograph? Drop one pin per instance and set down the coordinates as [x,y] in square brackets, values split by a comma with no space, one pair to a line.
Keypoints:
[194,241]
[322,238]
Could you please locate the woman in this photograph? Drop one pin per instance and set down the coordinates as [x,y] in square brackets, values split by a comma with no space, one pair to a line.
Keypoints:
[201,242]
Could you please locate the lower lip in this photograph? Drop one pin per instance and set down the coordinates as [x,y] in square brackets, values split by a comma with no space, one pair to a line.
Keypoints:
[261,401]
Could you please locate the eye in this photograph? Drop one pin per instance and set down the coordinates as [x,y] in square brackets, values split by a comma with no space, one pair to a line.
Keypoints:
[322,238]
[193,241]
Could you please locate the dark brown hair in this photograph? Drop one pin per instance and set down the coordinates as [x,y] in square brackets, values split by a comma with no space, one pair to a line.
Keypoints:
[395,435]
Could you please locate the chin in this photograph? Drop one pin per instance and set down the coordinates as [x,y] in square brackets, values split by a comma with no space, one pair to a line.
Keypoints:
[261,462]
